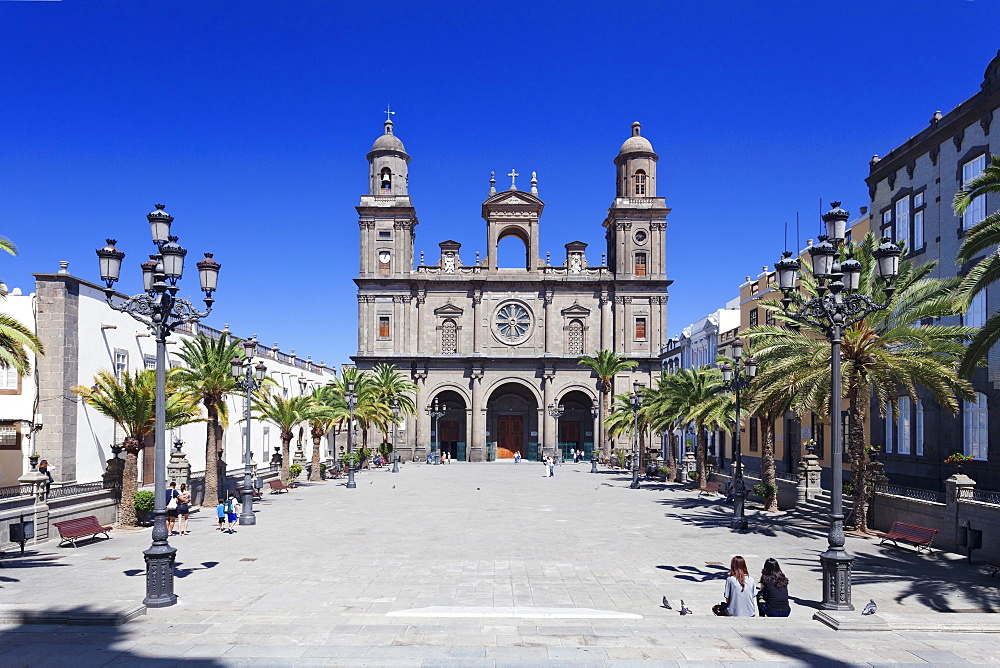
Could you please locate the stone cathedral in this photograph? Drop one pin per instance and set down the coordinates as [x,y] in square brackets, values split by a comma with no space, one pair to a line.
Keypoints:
[498,346]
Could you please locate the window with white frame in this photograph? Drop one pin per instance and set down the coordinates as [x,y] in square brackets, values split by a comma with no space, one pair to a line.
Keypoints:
[903,427]
[918,428]
[886,220]
[121,363]
[902,219]
[8,379]
[149,361]
[8,437]
[975,427]
[918,200]
[977,208]
[575,345]
[890,431]
[976,315]
[918,230]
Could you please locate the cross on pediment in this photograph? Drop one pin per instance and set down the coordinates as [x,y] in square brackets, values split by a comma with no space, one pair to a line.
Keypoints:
[388,114]
[513,176]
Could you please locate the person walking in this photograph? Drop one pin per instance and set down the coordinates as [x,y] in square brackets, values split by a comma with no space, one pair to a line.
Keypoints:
[183,509]
[220,510]
[740,592]
[172,495]
[232,512]
[552,467]
[517,457]
[772,601]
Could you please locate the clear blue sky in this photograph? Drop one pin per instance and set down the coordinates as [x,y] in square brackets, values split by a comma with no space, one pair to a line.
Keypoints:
[251,120]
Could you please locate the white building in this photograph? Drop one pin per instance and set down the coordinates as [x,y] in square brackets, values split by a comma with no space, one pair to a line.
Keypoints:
[83,335]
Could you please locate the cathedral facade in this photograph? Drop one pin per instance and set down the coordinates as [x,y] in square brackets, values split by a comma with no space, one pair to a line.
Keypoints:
[498,347]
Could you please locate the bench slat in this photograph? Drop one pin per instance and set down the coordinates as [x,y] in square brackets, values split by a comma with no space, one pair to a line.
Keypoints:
[909,533]
[70,530]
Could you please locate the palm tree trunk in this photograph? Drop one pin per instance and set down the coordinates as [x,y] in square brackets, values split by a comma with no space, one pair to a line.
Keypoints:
[699,449]
[671,446]
[286,440]
[605,444]
[859,457]
[767,473]
[317,436]
[130,484]
[211,497]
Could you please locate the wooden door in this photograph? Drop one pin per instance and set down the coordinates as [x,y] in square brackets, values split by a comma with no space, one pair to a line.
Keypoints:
[510,435]
[449,431]
[570,433]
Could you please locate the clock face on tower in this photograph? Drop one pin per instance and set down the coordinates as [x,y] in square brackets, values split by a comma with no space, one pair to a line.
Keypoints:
[512,323]
[383,257]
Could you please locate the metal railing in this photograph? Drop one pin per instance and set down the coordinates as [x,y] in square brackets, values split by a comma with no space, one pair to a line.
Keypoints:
[791,477]
[62,491]
[983,496]
[910,493]
[14,491]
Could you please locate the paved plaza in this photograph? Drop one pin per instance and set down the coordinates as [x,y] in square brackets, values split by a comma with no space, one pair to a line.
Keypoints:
[489,565]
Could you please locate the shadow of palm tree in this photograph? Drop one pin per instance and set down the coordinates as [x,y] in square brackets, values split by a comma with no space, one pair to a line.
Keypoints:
[77,644]
[797,653]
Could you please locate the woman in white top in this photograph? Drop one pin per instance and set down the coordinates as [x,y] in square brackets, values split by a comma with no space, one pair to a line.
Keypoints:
[741,590]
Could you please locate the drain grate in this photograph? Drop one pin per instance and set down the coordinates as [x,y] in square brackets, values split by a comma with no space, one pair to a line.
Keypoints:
[110,558]
[713,563]
[249,559]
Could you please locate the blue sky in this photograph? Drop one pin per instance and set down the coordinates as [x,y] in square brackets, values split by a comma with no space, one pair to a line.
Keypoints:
[251,121]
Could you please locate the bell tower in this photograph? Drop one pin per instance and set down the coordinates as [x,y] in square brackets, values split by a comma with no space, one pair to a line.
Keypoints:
[386,217]
[637,221]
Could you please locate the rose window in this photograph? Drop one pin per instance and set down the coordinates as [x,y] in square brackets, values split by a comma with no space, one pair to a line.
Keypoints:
[512,323]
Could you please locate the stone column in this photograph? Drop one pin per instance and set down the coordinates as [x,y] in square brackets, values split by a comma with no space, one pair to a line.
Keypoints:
[548,441]
[39,481]
[477,299]
[421,337]
[178,468]
[549,324]
[477,439]
[421,432]
[605,320]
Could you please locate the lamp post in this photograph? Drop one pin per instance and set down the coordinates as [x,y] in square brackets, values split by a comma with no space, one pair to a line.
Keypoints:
[837,307]
[435,411]
[159,308]
[395,424]
[736,380]
[636,400]
[247,377]
[557,412]
[594,411]
[351,398]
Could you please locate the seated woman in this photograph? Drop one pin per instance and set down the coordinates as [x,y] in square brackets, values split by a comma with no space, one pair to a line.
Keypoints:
[773,598]
[740,591]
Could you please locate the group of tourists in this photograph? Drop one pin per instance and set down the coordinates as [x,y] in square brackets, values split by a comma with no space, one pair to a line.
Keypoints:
[178,509]
[745,599]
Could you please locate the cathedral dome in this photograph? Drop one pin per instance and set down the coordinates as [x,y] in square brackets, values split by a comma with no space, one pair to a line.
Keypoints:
[389,141]
[636,143]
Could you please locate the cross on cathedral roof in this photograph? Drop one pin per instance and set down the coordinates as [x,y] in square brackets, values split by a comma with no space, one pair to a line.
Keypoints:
[513,176]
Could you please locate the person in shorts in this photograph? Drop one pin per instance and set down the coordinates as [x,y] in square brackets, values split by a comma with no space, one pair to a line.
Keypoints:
[172,495]
[232,511]
[220,510]
[183,510]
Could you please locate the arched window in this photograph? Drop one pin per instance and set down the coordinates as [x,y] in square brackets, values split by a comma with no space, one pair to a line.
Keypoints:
[449,337]
[975,423]
[385,179]
[575,343]
[640,182]
[640,264]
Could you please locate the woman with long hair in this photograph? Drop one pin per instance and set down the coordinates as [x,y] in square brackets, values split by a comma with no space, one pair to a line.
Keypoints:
[773,598]
[184,509]
[740,591]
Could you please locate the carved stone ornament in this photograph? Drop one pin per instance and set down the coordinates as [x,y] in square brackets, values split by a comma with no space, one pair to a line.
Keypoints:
[934,153]
[448,263]
[512,323]
[958,139]
[575,264]
[985,122]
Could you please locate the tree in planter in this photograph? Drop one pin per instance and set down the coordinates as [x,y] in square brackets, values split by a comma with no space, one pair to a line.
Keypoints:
[886,352]
[606,366]
[770,397]
[131,403]
[386,384]
[144,502]
[696,389]
[285,414]
[665,411]
[621,421]
[327,409]
[207,374]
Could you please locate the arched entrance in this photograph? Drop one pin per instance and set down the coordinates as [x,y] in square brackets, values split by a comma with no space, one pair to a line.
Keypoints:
[451,425]
[512,423]
[576,426]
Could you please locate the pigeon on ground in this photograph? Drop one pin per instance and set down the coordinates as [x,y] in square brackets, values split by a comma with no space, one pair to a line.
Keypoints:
[871,608]
[666,603]
[684,609]
[394,487]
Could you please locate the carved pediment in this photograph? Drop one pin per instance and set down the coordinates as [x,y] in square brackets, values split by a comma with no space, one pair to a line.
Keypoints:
[576,311]
[515,197]
[449,310]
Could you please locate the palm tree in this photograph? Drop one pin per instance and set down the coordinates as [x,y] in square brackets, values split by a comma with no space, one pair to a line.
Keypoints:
[769,397]
[207,374]
[605,366]
[386,384]
[664,411]
[887,351]
[984,236]
[327,408]
[702,393]
[131,403]
[621,421]
[284,414]
[16,340]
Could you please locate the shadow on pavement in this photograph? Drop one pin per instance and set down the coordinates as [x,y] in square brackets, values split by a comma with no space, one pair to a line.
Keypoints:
[32,642]
[798,653]
[29,560]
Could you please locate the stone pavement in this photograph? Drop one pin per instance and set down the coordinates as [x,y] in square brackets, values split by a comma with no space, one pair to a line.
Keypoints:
[488,565]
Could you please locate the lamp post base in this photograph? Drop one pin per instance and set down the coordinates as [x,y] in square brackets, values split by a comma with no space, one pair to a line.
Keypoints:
[247,517]
[836,579]
[160,576]
[635,479]
[395,464]
[593,466]
[739,521]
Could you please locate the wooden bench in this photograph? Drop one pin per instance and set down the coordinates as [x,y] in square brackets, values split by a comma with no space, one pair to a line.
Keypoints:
[277,487]
[81,527]
[710,488]
[919,537]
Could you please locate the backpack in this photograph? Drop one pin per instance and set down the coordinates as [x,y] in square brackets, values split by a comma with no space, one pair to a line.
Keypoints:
[229,506]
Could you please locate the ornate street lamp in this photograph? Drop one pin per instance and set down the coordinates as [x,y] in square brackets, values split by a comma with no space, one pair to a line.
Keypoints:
[556,412]
[161,310]
[837,307]
[436,411]
[395,424]
[247,377]
[594,411]
[737,380]
[351,398]
[636,400]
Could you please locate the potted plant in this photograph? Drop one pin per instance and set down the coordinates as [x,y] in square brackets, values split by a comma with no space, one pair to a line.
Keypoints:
[322,470]
[294,471]
[143,505]
[765,491]
[694,477]
[958,459]
[33,460]
[663,473]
